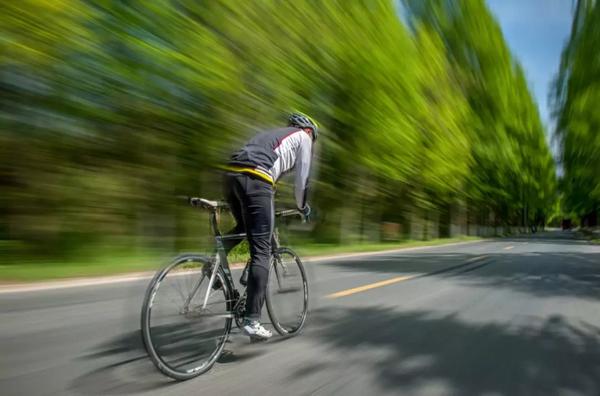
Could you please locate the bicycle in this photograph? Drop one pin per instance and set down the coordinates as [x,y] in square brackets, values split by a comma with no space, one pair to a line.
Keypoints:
[174,326]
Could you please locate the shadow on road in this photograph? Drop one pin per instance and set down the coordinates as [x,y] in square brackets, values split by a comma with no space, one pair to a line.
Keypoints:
[550,275]
[558,275]
[405,349]
[128,369]
[568,272]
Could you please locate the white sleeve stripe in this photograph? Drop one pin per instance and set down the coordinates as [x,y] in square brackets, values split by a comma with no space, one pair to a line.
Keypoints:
[285,137]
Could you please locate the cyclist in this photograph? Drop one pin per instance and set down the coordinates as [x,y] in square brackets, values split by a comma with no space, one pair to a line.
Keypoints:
[252,173]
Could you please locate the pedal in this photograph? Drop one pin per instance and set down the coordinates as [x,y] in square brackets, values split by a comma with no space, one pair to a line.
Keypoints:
[244,277]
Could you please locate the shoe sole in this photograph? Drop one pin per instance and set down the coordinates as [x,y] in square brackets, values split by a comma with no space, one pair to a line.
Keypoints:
[255,337]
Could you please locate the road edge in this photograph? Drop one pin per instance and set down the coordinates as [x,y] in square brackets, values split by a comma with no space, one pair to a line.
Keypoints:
[136,276]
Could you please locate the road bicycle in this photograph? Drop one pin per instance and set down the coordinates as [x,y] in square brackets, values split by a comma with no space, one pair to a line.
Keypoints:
[190,305]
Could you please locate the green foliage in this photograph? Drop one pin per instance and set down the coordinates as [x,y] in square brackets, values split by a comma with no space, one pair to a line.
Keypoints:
[511,168]
[110,109]
[577,98]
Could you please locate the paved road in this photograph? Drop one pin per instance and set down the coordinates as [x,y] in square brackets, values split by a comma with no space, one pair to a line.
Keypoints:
[521,318]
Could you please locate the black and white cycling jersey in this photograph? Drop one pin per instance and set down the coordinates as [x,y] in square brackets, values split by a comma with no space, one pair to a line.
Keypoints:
[271,154]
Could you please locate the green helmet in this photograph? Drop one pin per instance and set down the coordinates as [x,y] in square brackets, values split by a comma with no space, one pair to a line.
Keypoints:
[301,120]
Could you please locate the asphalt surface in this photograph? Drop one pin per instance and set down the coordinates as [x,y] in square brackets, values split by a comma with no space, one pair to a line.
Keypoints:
[500,317]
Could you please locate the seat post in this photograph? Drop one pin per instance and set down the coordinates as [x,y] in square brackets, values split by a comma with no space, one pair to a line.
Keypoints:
[214,222]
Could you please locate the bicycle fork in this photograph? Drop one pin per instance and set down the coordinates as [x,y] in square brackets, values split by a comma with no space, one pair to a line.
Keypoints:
[211,282]
[186,306]
[213,275]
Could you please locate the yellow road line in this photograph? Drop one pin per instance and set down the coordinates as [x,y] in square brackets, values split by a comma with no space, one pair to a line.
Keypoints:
[359,289]
[375,285]
[508,247]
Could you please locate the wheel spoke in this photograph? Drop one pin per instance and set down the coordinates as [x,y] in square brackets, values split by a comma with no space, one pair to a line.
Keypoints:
[184,337]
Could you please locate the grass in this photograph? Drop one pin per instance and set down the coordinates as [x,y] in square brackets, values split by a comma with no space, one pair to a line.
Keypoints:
[21,270]
[590,234]
[315,249]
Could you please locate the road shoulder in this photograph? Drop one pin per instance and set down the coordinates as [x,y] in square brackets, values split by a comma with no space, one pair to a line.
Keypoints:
[137,276]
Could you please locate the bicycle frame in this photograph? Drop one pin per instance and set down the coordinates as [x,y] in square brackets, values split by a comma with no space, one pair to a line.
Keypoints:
[220,256]
[210,271]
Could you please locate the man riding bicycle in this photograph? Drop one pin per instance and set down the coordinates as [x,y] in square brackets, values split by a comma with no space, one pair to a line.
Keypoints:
[252,173]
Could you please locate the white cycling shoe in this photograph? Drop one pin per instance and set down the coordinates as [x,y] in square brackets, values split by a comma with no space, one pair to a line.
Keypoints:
[255,330]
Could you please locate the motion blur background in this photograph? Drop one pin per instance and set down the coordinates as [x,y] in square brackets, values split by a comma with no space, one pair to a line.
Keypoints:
[111,109]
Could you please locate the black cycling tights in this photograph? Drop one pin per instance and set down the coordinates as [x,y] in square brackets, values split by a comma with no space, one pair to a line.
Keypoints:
[251,202]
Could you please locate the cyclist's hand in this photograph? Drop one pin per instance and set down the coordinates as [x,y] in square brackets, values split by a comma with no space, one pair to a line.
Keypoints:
[305,213]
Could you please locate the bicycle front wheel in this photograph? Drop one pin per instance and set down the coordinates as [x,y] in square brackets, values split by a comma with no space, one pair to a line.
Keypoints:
[184,324]
[287,292]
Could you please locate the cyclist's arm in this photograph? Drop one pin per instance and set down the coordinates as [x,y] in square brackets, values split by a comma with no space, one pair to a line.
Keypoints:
[303,160]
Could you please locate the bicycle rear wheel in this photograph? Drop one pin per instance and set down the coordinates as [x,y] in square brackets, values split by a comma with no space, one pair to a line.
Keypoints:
[182,338]
[287,292]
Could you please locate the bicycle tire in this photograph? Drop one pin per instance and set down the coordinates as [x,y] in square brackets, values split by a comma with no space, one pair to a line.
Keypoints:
[285,328]
[151,335]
